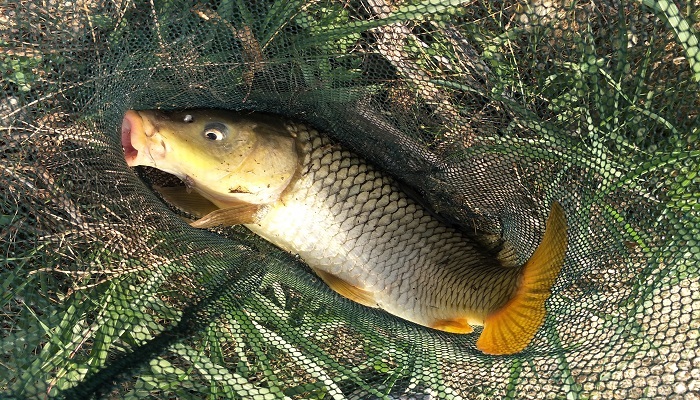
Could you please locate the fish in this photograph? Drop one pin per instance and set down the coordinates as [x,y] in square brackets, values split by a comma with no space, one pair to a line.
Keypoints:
[354,225]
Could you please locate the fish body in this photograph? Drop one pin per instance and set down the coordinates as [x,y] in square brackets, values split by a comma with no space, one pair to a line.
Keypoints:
[351,223]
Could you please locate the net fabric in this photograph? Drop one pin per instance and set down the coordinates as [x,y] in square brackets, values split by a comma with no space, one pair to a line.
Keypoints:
[487,111]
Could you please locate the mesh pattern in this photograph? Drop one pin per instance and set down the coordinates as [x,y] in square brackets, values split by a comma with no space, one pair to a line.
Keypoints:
[488,111]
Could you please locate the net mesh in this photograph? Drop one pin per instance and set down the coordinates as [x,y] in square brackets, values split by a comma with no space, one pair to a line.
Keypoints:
[488,111]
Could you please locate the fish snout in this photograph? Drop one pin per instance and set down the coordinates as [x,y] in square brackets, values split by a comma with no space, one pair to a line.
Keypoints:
[140,140]
[133,137]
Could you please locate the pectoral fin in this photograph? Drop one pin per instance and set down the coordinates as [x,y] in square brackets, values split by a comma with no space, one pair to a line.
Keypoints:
[243,213]
[511,328]
[347,290]
[210,215]
[188,201]
[456,325]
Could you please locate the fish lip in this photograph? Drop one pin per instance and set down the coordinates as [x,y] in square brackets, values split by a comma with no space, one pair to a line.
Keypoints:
[130,122]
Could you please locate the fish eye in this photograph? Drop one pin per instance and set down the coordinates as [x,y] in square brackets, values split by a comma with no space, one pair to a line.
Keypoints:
[215,131]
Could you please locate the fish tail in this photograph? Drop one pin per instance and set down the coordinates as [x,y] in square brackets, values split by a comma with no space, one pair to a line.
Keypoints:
[511,328]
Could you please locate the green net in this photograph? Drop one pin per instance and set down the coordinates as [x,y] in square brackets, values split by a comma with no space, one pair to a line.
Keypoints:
[488,111]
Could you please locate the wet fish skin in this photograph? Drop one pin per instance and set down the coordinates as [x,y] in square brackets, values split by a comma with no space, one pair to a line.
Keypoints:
[247,166]
[350,222]
[362,223]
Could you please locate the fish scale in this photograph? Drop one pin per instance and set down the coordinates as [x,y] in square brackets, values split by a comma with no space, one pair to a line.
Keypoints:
[351,223]
[392,245]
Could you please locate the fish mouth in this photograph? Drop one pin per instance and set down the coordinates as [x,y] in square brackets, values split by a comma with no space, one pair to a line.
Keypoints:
[132,124]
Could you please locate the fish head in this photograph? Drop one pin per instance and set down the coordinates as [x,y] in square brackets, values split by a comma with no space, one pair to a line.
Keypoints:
[225,156]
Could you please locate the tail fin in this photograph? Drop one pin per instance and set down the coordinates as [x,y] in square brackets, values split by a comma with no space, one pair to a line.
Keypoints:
[511,328]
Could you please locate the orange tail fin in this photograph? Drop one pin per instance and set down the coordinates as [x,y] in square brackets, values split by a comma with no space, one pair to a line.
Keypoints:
[510,329]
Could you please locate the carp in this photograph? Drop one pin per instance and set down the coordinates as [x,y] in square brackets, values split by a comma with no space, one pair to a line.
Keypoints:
[351,223]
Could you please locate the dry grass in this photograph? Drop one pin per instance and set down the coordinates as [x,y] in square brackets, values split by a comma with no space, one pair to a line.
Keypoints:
[591,95]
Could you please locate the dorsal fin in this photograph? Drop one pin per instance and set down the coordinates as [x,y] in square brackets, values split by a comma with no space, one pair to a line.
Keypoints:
[511,328]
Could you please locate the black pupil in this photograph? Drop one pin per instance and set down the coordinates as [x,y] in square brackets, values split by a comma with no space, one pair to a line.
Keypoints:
[215,131]
[212,135]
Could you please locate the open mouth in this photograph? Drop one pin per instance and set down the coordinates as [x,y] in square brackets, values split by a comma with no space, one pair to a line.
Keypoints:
[132,121]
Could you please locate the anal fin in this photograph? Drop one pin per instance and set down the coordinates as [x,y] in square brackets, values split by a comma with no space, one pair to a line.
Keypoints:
[455,325]
[511,328]
[346,289]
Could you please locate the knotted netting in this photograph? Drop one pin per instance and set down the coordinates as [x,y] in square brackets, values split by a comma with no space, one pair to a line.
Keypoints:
[488,111]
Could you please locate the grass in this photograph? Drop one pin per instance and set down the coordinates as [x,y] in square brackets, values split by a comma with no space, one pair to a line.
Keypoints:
[81,289]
